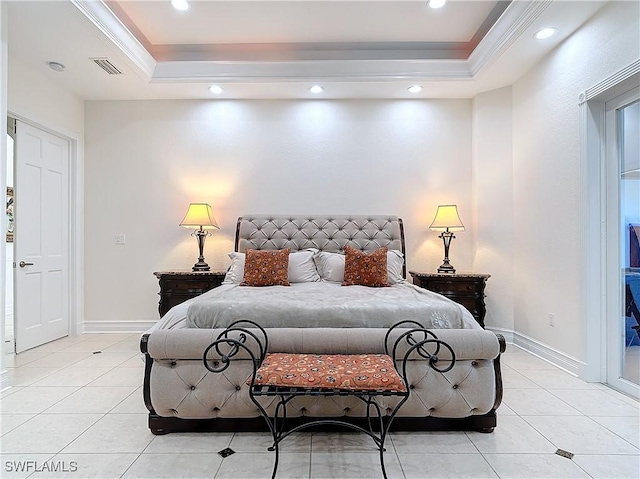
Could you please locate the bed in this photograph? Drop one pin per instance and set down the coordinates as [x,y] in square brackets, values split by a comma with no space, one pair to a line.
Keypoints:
[314,313]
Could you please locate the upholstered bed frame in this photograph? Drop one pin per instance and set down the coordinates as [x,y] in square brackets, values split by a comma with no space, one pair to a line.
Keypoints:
[181,395]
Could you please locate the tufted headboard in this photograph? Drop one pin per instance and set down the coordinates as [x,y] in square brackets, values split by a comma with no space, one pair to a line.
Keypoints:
[326,233]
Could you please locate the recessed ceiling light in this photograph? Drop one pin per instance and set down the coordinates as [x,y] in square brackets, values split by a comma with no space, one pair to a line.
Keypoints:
[216,89]
[545,33]
[437,3]
[181,5]
[415,88]
[316,89]
[56,67]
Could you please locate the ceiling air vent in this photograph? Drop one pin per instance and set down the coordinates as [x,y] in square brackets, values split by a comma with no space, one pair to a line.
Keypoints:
[106,65]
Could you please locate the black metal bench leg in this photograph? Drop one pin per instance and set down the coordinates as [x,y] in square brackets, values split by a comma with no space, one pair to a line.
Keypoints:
[384,470]
[275,463]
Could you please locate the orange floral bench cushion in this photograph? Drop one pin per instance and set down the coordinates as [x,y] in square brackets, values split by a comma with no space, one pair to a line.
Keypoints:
[354,372]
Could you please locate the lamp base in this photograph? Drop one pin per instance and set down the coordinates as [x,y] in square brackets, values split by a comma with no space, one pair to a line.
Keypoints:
[200,236]
[446,268]
[201,266]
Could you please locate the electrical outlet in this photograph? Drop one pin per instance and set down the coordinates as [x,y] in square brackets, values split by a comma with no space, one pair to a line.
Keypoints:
[120,239]
[552,319]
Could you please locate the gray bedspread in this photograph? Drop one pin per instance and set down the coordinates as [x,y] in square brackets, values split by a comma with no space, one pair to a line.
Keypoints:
[324,305]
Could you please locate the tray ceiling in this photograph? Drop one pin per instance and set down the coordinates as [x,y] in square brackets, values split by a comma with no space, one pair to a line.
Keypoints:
[222,22]
[267,49]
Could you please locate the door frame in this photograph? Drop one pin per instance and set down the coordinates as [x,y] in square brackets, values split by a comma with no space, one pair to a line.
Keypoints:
[4,53]
[76,220]
[614,325]
[593,295]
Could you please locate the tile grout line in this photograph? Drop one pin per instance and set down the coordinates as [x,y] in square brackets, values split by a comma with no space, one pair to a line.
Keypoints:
[7,432]
[310,454]
[123,400]
[393,444]
[480,452]
[139,454]
[585,414]
[614,432]
[404,474]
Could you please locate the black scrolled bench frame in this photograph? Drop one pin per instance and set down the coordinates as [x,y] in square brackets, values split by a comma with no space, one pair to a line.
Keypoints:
[377,430]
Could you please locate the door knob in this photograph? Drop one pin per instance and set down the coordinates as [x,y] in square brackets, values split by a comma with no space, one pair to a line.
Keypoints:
[22,264]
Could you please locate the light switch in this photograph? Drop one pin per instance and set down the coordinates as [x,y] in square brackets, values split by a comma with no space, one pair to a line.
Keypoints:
[120,239]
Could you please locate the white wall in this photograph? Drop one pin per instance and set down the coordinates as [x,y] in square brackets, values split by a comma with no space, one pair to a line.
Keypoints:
[493,201]
[146,160]
[546,172]
[34,96]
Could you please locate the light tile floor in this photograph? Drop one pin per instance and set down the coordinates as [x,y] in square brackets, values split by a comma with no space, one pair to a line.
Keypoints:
[83,412]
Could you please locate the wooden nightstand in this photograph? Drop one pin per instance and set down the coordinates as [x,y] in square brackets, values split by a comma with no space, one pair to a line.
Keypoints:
[178,286]
[466,289]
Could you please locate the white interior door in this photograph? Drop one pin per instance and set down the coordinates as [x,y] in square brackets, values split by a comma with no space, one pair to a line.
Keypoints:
[41,238]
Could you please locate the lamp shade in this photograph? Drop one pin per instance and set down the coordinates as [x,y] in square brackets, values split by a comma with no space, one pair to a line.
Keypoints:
[447,217]
[199,215]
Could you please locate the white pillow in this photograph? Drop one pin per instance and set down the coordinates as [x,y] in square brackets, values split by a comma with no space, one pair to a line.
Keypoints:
[331,266]
[302,269]
[235,273]
[395,265]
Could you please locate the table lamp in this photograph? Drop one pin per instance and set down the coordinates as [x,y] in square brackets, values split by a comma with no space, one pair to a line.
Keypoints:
[447,221]
[200,217]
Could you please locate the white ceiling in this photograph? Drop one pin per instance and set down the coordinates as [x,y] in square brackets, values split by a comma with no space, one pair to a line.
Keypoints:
[306,21]
[266,49]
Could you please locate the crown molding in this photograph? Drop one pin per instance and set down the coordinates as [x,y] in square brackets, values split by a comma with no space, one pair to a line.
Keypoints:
[190,64]
[335,70]
[506,30]
[264,52]
[633,69]
[108,23]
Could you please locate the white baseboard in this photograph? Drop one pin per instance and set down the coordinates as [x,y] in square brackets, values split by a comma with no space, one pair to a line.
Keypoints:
[507,333]
[543,351]
[115,326]
[4,380]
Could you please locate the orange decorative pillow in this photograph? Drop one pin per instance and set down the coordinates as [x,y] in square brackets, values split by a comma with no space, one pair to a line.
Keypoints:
[266,268]
[365,269]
